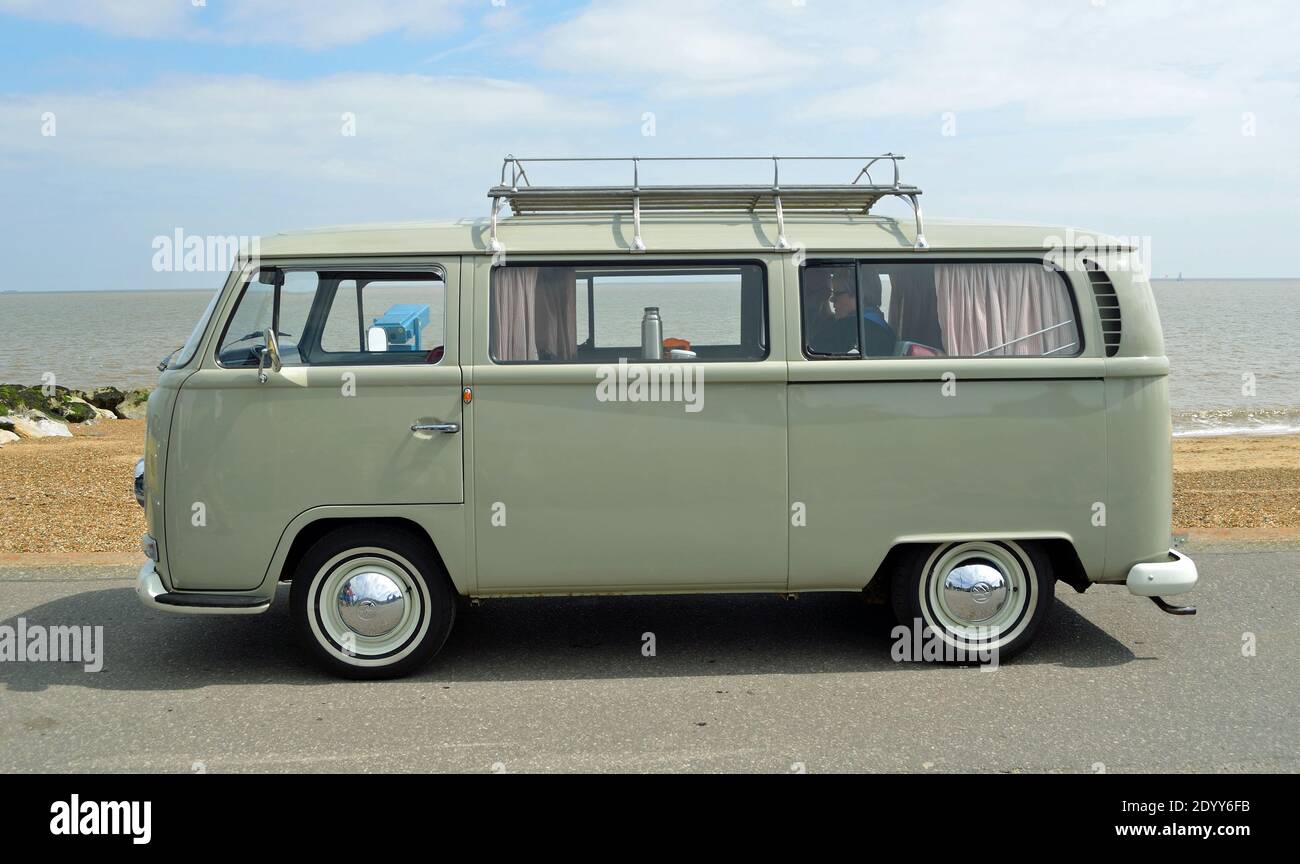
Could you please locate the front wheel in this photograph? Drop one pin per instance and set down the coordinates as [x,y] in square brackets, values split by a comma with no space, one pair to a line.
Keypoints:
[371,602]
[977,596]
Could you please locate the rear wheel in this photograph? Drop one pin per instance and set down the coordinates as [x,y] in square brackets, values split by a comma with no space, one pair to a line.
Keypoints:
[977,596]
[371,602]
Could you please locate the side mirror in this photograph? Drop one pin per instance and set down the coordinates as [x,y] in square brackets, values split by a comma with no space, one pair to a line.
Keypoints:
[271,350]
[376,339]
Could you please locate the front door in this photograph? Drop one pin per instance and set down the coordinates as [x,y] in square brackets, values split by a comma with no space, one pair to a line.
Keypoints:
[367,354]
[604,461]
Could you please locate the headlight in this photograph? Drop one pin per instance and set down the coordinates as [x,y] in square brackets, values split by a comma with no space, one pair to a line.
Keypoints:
[139,482]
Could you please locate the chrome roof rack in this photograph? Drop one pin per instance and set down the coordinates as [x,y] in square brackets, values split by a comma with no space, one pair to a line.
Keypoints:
[524,198]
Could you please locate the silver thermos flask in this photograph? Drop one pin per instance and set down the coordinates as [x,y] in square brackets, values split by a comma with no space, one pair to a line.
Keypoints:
[652,334]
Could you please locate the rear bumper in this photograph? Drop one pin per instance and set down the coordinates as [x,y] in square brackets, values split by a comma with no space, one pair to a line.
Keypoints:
[1162,578]
[152,593]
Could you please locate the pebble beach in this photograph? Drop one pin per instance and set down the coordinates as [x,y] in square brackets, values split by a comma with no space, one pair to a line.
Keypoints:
[61,496]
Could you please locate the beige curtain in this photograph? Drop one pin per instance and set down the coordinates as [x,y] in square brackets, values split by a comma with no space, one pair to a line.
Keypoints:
[515,335]
[534,314]
[556,314]
[991,309]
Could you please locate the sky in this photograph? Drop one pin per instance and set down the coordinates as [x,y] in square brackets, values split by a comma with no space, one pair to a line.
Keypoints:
[1172,121]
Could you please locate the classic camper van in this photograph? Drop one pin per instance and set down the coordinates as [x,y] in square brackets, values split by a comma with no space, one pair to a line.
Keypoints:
[634,389]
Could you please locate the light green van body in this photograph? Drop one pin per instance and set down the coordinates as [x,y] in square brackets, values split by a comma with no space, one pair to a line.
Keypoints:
[799,474]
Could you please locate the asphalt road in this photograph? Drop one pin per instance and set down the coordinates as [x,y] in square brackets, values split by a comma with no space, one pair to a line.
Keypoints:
[738,683]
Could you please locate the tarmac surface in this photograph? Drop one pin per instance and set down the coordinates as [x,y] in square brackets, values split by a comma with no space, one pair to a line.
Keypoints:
[742,683]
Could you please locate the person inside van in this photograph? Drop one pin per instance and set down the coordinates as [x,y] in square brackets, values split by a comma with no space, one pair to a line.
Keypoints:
[841,335]
[830,311]
[833,321]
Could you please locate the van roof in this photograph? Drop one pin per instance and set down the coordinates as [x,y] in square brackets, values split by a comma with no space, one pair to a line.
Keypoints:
[680,233]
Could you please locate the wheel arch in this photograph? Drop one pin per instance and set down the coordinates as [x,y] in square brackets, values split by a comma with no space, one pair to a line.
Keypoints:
[441,526]
[1059,546]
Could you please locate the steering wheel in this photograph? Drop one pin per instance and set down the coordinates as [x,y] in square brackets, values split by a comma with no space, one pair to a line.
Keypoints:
[257,333]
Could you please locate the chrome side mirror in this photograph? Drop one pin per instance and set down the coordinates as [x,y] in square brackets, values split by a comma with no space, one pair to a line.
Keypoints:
[271,350]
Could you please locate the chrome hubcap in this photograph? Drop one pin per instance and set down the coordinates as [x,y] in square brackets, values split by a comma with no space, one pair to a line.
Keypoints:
[371,603]
[368,607]
[975,591]
[978,592]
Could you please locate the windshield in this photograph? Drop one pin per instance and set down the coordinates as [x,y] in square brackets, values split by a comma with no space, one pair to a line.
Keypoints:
[191,346]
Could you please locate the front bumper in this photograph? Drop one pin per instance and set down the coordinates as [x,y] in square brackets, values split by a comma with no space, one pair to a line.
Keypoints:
[1162,578]
[152,593]
[148,587]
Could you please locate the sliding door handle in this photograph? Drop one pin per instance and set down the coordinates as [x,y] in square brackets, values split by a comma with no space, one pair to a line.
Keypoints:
[449,428]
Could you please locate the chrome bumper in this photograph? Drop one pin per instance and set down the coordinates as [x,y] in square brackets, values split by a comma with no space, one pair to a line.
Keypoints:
[148,585]
[1162,578]
[152,593]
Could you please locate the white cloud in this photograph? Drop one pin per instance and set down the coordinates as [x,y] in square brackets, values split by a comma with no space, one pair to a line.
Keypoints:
[406,125]
[314,24]
[675,48]
[1121,115]
[142,18]
[1058,63]
[323,23]
[1145,103]
[1075,63]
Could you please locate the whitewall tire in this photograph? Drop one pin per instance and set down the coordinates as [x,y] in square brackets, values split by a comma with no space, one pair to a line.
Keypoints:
[977,596]
[372,602]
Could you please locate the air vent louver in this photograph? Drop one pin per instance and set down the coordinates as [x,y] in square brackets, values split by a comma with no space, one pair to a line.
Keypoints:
[1107,306]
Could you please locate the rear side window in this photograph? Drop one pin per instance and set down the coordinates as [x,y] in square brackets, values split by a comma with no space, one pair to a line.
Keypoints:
[594,313]
[943,309]
[330,317]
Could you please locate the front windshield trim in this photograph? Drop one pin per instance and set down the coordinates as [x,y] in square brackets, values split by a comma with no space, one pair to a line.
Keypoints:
[187,352]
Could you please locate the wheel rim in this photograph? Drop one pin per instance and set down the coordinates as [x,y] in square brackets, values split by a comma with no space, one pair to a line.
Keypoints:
[979,593]
[368,606]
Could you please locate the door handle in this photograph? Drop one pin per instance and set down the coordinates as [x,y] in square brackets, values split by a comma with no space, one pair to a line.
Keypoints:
[449,428]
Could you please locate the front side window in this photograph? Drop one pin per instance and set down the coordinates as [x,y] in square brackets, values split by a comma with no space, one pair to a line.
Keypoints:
[957,309]
[398,316]
[330,317]
[597,313]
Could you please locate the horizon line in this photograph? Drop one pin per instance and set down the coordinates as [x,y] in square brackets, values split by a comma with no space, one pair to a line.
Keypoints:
[212,290]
